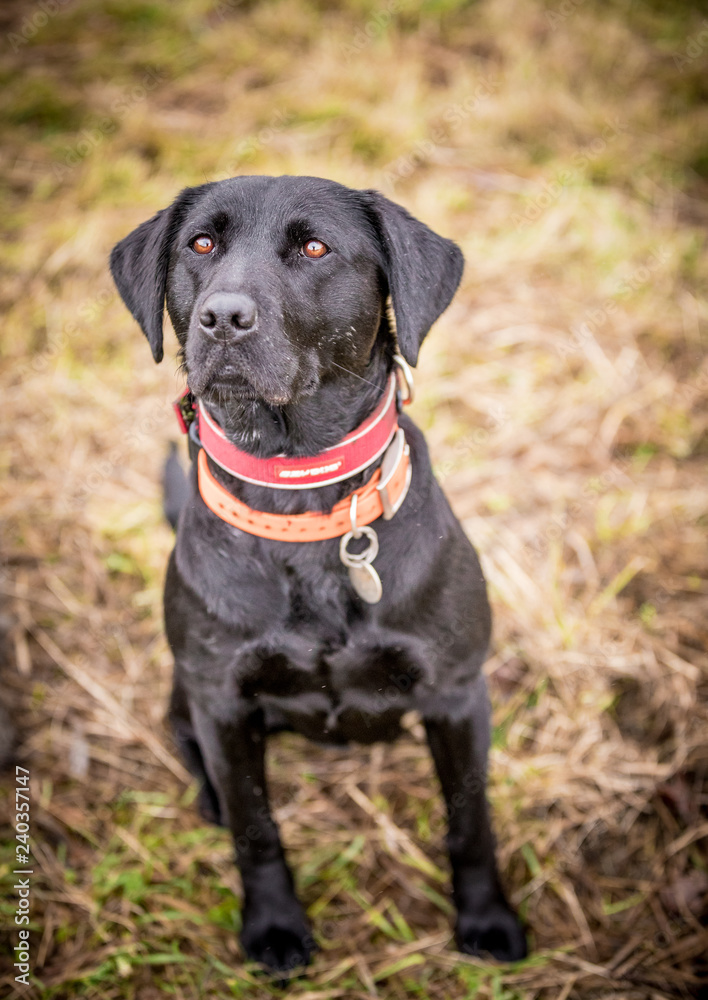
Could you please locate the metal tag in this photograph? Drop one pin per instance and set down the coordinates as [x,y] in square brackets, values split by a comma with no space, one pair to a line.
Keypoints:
[366,582]
[362,575]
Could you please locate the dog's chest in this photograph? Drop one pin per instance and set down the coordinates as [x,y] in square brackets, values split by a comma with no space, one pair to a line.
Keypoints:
[327,666]
[287,632]
[324,639]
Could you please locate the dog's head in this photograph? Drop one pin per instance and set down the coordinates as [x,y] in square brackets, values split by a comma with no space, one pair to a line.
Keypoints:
[274,284]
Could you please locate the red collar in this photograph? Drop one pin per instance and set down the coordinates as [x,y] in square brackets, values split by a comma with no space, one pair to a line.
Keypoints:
[353,453]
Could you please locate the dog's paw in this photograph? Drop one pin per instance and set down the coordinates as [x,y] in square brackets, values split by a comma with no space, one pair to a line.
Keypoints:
[279,948]
[496,931]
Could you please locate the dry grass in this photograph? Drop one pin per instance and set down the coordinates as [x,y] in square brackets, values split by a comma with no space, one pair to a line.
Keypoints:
[563,399]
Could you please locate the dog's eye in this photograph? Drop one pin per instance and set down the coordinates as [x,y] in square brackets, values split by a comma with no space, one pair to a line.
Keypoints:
[314,248]
[203,244]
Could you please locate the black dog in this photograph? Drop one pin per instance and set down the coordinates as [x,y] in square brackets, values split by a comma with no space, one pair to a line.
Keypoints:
[277,289]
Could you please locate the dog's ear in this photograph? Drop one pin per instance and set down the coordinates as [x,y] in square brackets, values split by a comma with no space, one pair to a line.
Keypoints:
[422,268]
[139,265]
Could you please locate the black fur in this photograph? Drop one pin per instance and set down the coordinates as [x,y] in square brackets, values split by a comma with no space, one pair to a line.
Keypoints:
[175,487]
[270,635]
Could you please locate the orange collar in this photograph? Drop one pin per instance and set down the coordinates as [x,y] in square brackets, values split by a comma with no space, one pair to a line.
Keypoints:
[381,496]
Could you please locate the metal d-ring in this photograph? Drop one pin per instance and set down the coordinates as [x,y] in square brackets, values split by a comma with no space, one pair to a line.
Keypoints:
[405,370]
[359,558]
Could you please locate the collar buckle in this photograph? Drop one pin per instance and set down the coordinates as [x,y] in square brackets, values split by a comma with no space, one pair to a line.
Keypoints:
[393,457]
[185,408]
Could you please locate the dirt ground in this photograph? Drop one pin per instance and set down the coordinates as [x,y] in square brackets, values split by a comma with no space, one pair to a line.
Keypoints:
[564,146]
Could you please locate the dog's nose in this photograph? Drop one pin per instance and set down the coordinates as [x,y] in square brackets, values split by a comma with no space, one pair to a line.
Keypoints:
[228,316]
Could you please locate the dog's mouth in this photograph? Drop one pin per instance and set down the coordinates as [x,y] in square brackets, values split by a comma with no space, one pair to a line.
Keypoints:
[223,389]
[218,381]
[228,388]
[236,379]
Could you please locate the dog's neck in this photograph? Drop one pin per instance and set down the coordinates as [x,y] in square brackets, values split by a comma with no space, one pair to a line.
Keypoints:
[307,427]
[310,425]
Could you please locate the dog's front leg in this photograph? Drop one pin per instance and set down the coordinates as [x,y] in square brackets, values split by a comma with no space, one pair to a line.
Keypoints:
[275,930]
[458,735]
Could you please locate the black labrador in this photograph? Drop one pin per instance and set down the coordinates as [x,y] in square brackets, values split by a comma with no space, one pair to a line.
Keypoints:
[277,288]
